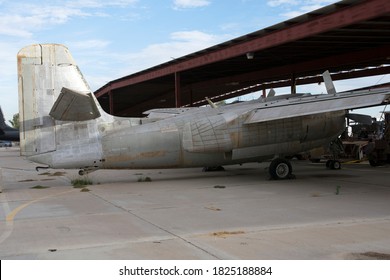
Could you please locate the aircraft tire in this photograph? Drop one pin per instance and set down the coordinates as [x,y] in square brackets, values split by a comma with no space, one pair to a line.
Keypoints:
[373,159]
[280,169]
[335,165]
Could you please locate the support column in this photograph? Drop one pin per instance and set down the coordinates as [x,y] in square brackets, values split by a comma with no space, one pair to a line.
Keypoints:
[177,90]
[293,84]
[111,102]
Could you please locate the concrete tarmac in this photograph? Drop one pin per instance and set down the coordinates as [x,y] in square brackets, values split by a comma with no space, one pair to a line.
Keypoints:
[188,214]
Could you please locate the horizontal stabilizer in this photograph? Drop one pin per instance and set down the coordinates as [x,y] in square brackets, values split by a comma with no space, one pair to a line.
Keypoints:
[74,106]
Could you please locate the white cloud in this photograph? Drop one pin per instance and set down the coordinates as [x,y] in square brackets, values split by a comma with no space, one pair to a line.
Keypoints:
[301,11]
[294,8]
[184,4]
[276,3]
[100,3]
[292,14]
[88,44]
[193,36]
[109,65]
[16,25]
[182,43]
[22,19]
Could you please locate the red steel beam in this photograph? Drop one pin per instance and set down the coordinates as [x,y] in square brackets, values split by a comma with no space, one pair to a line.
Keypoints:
[177,90]
[302,81]
[111,102]
[315,65]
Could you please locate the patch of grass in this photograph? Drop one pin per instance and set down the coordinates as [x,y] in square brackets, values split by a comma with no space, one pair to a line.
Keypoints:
[144,179]
[225,234]
[58,173]
[337,190]
[80,183]
[39,187]
[370,256]
[84,190]
[219,187]
[212,208]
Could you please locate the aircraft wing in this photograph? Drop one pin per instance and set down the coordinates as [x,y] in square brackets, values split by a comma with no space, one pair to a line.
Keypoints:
[74,106]
[315,104]
[163,113]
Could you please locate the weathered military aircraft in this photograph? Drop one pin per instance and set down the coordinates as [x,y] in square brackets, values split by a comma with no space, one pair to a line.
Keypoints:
[7,133]
[63,125]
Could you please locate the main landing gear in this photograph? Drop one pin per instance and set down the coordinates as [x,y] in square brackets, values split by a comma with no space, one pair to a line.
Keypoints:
[280,169]
[333,164]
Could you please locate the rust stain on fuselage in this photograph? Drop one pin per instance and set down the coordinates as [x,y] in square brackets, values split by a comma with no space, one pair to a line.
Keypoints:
[133,157]
[143,155]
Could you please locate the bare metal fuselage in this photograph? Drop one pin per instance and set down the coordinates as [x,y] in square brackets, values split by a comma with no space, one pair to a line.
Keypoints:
[198,137]
[220,142]
[63,125]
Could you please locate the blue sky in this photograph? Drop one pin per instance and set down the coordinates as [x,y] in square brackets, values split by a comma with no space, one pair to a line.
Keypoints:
[111,39]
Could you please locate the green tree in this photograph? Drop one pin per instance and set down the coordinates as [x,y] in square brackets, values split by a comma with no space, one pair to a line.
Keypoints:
[15,121]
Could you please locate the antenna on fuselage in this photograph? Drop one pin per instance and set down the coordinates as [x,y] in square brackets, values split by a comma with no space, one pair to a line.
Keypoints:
[271,93]
[211,103]
[329,83]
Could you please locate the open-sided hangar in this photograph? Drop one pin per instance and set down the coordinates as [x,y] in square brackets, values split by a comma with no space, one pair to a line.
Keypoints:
[350,38]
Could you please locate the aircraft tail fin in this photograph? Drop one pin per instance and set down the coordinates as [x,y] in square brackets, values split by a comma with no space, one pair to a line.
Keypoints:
[330,88]
[44,70]
[2,120]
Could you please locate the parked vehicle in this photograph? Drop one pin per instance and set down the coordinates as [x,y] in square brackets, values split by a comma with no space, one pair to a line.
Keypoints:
[5,144]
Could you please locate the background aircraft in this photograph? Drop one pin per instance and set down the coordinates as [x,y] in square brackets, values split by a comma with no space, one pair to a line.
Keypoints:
[63,125]
[7,133]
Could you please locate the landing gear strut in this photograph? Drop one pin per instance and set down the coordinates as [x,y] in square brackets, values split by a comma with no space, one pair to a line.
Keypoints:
[87,170]
[280,169]
[336,147]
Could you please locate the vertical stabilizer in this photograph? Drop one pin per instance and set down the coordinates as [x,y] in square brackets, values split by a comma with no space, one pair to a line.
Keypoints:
[2,120]
[43,71]
[7,133]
